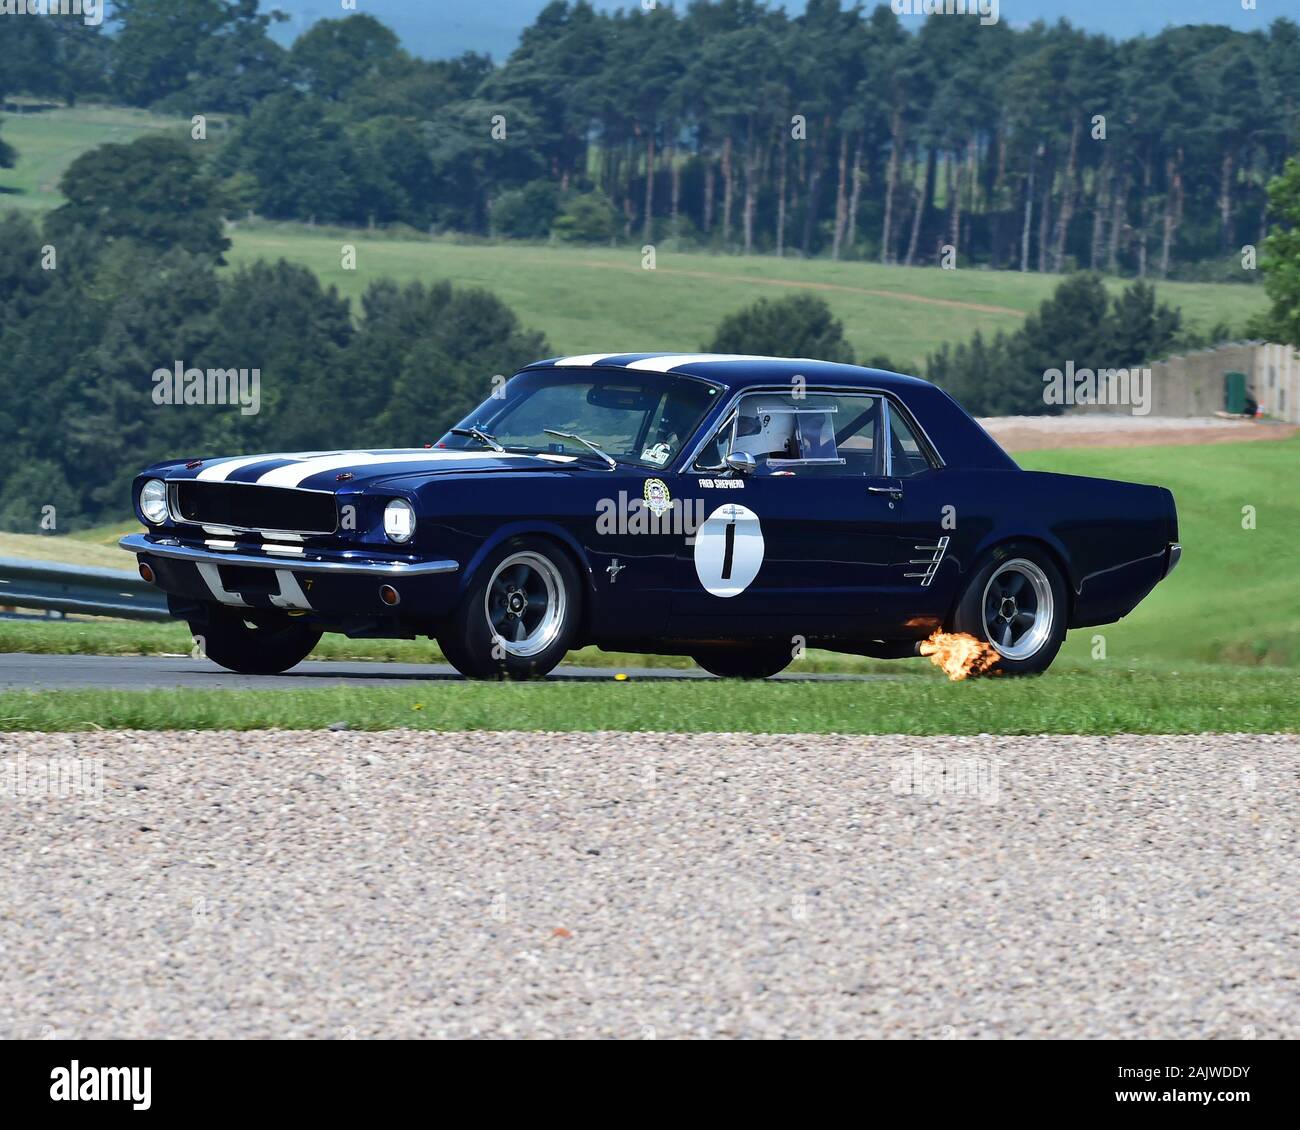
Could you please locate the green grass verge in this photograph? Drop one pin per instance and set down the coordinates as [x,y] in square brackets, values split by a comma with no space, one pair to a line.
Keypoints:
[94,548]
[1080,702]
[1234,598]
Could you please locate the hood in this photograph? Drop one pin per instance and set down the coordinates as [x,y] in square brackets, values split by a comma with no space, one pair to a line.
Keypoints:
[321,470]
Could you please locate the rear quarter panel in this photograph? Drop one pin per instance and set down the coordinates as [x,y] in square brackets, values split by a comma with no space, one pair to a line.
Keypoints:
[1108,537]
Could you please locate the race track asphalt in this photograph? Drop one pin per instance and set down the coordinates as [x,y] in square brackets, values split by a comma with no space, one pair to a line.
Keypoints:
[135,672]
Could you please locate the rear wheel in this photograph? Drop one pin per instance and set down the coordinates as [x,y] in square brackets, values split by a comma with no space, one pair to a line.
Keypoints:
[744,662]
[519,615]
[1016,601]
[253,642]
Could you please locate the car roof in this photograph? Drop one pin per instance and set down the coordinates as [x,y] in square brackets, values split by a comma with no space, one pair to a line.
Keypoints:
[738,370]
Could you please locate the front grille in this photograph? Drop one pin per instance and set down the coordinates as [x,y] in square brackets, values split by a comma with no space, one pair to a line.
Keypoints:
[251,507]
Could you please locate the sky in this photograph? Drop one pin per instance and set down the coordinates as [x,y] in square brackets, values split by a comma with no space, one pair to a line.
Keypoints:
[439,29]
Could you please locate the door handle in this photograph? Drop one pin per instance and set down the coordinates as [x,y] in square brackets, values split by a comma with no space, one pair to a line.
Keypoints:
[893,492]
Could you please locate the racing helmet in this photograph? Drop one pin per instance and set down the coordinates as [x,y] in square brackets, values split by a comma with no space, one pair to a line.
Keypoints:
[766,431]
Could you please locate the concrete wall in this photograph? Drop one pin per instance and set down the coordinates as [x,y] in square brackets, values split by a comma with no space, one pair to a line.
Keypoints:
[1277,381]
[1193,385]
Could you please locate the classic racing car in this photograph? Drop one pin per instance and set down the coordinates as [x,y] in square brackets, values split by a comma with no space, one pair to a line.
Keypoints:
[732,509]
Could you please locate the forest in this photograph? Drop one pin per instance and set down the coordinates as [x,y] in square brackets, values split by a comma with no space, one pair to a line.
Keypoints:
[728,126]
[843,131]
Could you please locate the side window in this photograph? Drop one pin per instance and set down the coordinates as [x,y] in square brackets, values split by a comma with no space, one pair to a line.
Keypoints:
[856,429]
[821,434]
[906,453]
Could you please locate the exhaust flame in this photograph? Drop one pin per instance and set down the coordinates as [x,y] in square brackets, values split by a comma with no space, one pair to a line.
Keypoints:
[958,654]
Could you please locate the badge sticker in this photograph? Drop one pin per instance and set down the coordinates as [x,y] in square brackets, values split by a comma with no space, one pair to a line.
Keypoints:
[657,498]
[729,550]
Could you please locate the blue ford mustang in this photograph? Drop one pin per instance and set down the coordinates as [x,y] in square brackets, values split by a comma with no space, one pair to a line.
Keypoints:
[732,509]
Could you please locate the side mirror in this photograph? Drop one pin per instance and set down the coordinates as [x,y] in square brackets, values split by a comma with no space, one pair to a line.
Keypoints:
[741,462]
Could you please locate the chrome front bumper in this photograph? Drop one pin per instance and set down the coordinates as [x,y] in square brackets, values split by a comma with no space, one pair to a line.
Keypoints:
[347,562]
[1175,555]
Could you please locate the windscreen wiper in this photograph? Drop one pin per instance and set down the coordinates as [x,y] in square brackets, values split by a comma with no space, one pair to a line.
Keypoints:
[480,435]
[613,463]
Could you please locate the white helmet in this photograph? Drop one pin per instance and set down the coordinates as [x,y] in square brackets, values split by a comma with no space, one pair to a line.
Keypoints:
[768,431]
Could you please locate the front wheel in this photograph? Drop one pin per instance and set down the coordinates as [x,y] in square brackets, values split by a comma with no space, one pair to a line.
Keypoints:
[254,643]
[744,662]
[1016,602]
[519,614]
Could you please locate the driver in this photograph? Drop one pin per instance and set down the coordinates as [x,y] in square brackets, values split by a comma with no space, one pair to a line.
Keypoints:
[766,433]
[673,427]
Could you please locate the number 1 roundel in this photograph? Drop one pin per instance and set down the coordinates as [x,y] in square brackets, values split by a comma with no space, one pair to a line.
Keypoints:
[729,550]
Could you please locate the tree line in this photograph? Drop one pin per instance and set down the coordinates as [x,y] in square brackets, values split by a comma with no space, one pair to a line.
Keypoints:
[84,331]
[734,125]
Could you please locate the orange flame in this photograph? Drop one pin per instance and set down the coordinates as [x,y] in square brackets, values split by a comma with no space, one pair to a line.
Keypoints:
[958,654]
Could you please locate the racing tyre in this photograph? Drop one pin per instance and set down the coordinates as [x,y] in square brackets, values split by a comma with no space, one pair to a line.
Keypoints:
[265,646]
[519,615]
[1017,602]
[744,662]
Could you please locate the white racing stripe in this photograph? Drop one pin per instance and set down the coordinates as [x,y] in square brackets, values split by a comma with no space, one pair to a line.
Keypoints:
[212,578]
[583,361]
[309,463]
[291,594]
[219,472]
[292,474]
[676,360]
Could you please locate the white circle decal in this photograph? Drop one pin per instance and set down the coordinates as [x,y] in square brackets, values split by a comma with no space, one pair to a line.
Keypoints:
[729,550]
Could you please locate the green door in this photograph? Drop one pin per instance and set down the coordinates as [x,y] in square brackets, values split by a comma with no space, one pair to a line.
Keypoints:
[1234,393]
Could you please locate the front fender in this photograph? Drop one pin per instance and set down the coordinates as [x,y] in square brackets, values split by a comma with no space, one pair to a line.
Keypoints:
[529,527]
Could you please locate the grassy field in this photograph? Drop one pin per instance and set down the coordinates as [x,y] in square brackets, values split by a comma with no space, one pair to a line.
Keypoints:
[1234,598]
[1071,702]
[96,548]
[591,299]
[49,141]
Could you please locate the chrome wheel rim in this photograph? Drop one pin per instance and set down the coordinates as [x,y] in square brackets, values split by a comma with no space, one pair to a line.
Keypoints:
[525,603]
[1018,609]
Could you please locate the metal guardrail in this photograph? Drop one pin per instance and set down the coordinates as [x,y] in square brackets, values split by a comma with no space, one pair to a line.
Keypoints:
[53,586]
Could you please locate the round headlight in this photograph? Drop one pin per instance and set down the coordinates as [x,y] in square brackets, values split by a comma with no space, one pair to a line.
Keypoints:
[153,502]
[399,520]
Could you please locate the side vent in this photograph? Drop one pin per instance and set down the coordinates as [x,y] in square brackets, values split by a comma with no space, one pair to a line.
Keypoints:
[931,563]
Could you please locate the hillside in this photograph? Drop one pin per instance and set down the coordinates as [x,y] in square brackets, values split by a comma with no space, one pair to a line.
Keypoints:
[591,299]
[588,300]
[48,141]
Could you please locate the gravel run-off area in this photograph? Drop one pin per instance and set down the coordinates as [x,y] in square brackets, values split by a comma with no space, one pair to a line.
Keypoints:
[1117,429]
[335,885]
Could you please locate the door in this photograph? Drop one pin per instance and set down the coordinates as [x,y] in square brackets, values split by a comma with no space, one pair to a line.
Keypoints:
[806,544]
[919,589]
